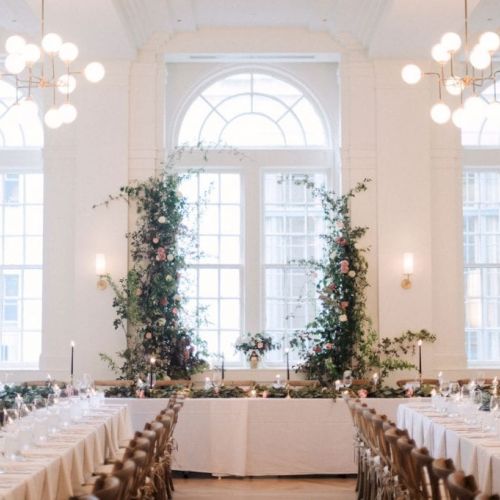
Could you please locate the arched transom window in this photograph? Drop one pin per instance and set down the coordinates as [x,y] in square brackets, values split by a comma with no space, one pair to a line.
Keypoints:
[253,110]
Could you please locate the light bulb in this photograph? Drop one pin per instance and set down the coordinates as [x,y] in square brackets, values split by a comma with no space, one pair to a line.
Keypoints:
[94,72]
[51,43]
[15,44]
[31,53]
[493,112]
[490,41]
[457,117]
[479,57]
[451,41]
[15,63]
[67,112]
[453,85]
[440,113]
[66,84]
[68,52]
[53,118]
[440,54]
[475,106]
[28,108]
[411,74]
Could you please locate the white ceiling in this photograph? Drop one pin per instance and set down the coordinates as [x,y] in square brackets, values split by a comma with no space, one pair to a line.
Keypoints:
[116,28]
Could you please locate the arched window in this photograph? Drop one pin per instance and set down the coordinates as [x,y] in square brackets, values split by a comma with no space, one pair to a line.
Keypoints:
[253,110]
[481,230]
[259,219]
[21,234]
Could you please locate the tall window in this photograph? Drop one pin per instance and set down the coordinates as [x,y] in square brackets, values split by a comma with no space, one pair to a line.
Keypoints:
[260,221]
[21,233]
[481,211]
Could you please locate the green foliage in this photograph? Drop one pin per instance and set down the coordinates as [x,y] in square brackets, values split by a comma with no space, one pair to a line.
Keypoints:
[218,392]
[28,393]
[258,343]
[148,302]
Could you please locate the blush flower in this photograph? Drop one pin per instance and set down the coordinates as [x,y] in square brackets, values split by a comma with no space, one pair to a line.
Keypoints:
[344,266]
[162,219]
[363,393]
[351,274]
[343,318]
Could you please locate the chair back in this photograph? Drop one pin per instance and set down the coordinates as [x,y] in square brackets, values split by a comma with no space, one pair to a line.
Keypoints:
[239,383]
[107,488]
[114,383]
[125,472]
[169,383]
[391,436]
[427,481]
[303,383]
[442,468]
[408,470]
[425,381]
[462,487]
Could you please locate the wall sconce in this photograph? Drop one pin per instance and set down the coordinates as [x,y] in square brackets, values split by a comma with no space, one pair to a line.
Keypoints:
[407,270]
[100,270]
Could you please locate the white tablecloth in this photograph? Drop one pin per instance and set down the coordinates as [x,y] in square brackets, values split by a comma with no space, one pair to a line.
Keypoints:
[54,469]
[470,450]
[259,437]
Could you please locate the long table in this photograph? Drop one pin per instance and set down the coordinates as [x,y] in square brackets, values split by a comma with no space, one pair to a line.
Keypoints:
[261,437]
[53,470]
[471,450]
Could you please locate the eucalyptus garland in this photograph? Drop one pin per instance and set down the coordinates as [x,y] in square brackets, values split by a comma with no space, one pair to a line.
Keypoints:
[148,301]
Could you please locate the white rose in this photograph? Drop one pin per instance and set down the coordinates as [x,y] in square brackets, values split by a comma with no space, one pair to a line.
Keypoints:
[343,318]
[168,277]
[162,322]
[179,194]
[351,274]
[162,219]
[357,246]
[333,255]
[170,257]
[339,225]
[177,297]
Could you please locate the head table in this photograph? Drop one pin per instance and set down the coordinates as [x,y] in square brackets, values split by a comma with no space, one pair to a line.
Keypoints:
[52,470]
[261,437]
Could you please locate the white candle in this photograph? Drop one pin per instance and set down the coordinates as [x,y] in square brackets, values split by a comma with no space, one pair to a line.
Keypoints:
[337,385]
[375,378]
[253,393]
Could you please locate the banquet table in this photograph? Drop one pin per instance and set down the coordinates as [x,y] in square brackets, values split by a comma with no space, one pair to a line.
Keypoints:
[54,469]
[260,437]
[473,451]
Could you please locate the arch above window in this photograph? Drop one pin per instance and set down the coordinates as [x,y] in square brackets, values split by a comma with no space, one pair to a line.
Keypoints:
[253,110]
[16,130]
[482,131]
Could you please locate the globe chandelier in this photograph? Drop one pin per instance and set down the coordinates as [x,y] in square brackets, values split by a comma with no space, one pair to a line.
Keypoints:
[475,74]
[46,66]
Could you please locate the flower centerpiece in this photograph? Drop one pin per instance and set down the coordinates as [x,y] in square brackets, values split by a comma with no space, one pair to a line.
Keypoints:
[254,346]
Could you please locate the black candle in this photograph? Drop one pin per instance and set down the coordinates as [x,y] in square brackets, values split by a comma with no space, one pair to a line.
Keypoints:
[72,358]
[420,357]
[287,364]
[222,370]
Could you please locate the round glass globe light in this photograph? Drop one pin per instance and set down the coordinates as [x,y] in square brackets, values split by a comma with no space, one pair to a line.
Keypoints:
[66,84]
[67,112]
[28,108]
[51,43]
[440,113]
[411,74]
[451,41]
[457,117]
[31,53]
[475,105]
[94,72]
[493,112]
[479,57]
[15,44]
[440,54]
[52,118]
[15,63]
[453,86]
[68,52]
[490,41]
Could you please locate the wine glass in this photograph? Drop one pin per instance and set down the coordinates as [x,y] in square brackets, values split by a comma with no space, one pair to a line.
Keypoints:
[347,379]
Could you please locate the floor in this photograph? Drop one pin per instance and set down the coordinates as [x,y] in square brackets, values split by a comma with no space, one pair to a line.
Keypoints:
[272,488]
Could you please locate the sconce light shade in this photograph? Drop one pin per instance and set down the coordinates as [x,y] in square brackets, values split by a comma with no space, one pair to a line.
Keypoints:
[408,267]
[100,270]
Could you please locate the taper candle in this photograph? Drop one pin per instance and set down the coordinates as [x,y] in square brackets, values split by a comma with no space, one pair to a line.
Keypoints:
[222,370]
[420,357]
[287,354]
[152,362]
[72,358]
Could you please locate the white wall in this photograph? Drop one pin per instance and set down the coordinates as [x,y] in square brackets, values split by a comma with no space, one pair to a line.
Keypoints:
[413,203]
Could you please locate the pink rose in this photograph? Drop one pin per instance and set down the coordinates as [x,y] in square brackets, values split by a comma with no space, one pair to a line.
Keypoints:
[341,241]
[156,240]
[148,335]
[317,349]
[344,266]
[344,304]
[163,301]
[329,346]
[409,392]
[363,393]
[260,345]
[174,311]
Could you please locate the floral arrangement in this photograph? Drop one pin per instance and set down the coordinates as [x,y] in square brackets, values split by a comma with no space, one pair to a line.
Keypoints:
[257,343]
[341,337]
[148,301]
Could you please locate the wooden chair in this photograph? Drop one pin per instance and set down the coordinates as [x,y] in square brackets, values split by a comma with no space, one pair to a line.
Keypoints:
[239,383]
[425,381]
[427,481]
[361,381]
[43,383]
[462,487]
[442,468]
[303,383]
[105,488]
[169,383]
[483,496]
[114,383]
[408,470]
[465,381]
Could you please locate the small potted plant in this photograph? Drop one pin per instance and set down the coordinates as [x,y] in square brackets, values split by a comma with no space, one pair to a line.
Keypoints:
[254,346]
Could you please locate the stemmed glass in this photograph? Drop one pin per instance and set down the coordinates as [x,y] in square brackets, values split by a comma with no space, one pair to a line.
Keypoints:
[216,378]
[347,380]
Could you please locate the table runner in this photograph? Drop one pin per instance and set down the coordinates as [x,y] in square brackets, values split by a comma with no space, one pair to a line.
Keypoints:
[53,470]
[471,450]
[259,437]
